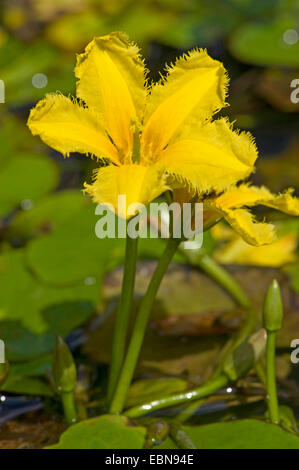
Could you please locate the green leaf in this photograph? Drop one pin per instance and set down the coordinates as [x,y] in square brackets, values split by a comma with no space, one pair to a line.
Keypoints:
[263,43]
[73,32]
[41,308]
[48,214]
[105,432]
[26,176]
[26,385]
[24,61]
[39,366]
[73,253]
[22,344]
[242,434]
[14,137]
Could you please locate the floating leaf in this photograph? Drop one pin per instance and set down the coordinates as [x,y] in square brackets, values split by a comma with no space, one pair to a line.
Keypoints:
[25,177]
[104,432]
[72,32]
[22,344]
[39,366]
[48,213]
[26,385]
[243,434]
[39,307]
[22,63]
[73,253]
[263,43]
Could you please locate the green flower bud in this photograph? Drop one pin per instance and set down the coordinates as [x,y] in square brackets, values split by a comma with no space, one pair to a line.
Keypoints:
[273,308]
[157,432]
[243,358]
[63,367]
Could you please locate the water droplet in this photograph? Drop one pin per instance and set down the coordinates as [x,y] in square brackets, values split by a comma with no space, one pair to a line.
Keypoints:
[26,204]
[39,80]
[290,37]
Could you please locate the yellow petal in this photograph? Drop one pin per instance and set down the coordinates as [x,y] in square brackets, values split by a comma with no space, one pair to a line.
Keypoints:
[111,78]
[214,159]
[254,233]
[243,195]
[246,195]
[275,255]
[68,127]
[194,89]
[138,183]
[284,202]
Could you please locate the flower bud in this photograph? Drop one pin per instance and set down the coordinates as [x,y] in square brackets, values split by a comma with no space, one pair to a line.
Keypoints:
[242,359]
[273,308]
[63,368]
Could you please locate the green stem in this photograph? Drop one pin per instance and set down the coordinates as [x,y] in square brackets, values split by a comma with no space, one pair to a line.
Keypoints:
[122,315]
[177,399]
[140,327]
[271,378]
[222,276]
[260,372]
[69,407]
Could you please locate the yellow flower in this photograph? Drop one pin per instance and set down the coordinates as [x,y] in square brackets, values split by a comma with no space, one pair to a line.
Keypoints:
[236,251]
[142,134]
[233,203]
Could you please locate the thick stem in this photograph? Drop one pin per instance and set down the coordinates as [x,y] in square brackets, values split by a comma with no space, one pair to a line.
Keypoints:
[220,275]
[122,315]
[69,407]
[140,327]
[271,378]
[179,398]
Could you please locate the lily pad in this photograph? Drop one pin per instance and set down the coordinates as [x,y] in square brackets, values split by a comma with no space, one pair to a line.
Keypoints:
[243,434]
[73,253]
[21,344]
[105,432]
[24,61]
[264,43]
[26,177]
[26,385]
[48,214]
[39,307]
